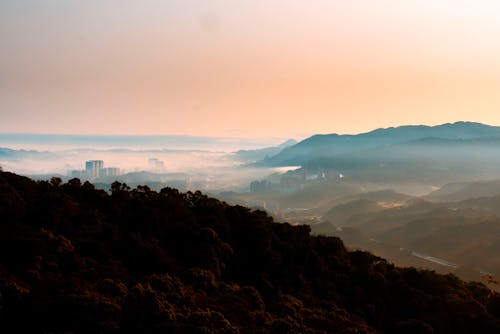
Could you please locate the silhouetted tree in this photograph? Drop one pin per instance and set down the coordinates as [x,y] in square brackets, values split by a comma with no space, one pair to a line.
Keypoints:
[76,259]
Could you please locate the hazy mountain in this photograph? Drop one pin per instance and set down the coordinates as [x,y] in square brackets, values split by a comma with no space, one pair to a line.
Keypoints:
[359,206]
[339,214]
[263,153]
[386,195]
[460,191]
[130,141]
[12,154]
[466,233]
[321,146]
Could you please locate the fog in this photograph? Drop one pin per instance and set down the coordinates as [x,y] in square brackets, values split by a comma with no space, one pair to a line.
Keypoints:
[159,142]
[201,163]
[61,162]
[390,194]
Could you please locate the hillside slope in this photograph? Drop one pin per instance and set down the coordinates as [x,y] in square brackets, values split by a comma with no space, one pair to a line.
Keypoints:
[74,259]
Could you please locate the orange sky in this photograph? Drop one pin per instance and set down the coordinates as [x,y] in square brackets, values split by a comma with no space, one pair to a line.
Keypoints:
[246,68]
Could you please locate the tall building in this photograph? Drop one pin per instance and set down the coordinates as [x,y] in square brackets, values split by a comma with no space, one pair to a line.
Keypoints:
[156,164]
[109,171]
[76,174]
[93,168]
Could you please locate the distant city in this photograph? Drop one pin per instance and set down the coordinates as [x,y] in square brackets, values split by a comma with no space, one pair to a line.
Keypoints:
[93,170]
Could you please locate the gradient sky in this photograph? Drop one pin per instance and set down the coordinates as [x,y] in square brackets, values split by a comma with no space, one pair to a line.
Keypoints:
[246,68]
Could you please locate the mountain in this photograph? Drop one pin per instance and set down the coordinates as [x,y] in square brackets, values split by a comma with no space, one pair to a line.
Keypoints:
[386,196]
[13,155]
[341,213]
[263,153]
[75,259]
[321,146]
[466,233]
[460,191]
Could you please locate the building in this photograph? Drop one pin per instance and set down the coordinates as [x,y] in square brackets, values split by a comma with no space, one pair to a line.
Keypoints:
[78,174]
[156,164]
[109,171]
[93,168]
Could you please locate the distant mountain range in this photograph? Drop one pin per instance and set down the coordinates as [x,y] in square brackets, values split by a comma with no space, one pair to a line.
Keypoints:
[263,153]
[173,142]
[329,145]
[433,155]
[10,154]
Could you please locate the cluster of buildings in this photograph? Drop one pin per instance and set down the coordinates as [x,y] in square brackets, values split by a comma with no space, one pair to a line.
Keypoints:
[291,182]
[262,185]
[156,164]
[93,170]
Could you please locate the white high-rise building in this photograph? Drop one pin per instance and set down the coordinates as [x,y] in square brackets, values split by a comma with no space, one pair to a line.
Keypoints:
[93,168]
[109,171]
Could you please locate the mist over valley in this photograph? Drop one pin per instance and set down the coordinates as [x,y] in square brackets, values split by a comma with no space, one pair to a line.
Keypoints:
[397,192]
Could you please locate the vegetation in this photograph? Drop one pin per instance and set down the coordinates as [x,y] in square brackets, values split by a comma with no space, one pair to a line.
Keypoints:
[75,259]
[466,233]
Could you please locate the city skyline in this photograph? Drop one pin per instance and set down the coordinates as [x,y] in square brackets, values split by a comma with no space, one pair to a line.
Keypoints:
[94,169]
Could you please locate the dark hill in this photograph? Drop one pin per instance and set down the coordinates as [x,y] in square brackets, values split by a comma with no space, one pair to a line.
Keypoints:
[74,259]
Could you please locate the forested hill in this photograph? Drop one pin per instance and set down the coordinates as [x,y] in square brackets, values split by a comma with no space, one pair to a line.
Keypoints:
[74,259]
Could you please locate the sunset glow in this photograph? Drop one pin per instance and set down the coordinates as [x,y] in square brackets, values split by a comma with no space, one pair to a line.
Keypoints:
[246,68]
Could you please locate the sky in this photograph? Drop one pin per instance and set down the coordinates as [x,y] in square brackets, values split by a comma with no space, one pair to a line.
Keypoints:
[246,68]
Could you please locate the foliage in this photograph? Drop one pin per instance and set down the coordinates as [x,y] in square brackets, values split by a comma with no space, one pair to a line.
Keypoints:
[76,259]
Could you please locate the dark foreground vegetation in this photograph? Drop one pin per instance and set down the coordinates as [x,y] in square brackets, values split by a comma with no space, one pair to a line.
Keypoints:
[74,259]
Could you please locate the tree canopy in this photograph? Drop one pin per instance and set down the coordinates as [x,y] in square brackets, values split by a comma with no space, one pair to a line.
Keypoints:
[75,259]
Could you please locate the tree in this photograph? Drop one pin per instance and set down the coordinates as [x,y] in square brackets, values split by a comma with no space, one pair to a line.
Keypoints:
[55,181]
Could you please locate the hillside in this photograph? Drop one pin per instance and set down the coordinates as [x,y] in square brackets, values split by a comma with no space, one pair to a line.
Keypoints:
[343,212]
[75,259]
[460,191]
[466,233]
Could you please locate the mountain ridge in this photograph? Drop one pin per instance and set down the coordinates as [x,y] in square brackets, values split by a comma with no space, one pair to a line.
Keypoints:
[321,145]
